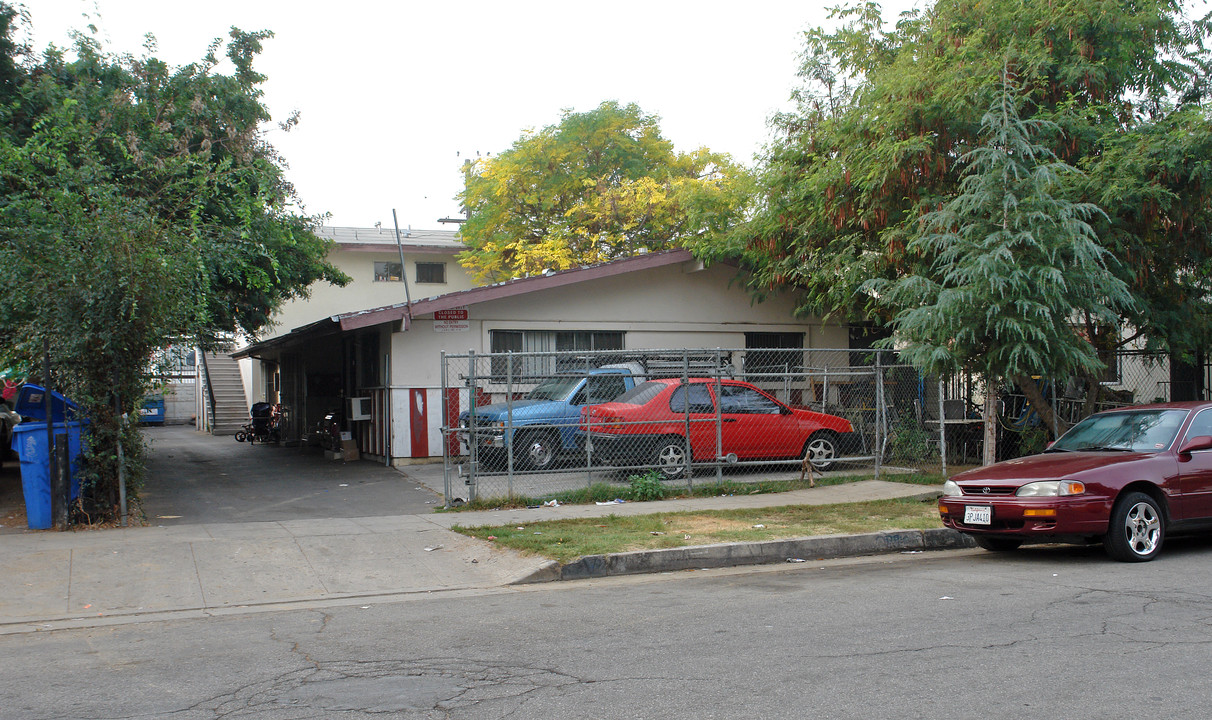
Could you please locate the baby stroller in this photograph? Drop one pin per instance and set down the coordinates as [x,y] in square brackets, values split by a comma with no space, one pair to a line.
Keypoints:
[265,426]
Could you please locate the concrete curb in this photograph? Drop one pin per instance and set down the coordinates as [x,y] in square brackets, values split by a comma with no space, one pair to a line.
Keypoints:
[758,553]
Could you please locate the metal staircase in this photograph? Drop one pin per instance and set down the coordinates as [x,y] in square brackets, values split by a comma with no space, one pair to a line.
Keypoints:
[225,390]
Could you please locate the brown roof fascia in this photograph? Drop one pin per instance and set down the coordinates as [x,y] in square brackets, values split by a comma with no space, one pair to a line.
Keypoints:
[313,330]
[512,288]
[414,249]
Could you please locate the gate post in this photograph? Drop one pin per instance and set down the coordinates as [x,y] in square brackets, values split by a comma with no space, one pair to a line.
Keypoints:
[719,421]
[880,412]
[942,429]
[510,437]
[688,470]
[473,440]
[447,431]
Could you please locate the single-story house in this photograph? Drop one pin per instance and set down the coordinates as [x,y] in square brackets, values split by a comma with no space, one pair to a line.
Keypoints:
[391,354]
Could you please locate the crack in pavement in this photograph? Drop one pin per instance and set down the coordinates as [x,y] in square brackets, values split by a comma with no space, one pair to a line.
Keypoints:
[422,688]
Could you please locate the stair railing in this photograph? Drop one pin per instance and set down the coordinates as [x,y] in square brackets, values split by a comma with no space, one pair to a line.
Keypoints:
[209,424]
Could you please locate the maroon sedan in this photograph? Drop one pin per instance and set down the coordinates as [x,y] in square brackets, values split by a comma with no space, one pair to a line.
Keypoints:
[1125,477]
[660,422]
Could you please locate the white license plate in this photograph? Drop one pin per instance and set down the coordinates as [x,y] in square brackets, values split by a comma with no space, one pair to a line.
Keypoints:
[978,515]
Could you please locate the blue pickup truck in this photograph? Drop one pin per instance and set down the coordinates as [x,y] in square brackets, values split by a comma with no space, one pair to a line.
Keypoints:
[543,424]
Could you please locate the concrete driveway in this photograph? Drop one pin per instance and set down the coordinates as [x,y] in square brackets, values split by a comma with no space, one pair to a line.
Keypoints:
[195,478]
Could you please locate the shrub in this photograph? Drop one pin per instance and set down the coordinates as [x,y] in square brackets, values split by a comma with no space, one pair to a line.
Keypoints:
[646,487]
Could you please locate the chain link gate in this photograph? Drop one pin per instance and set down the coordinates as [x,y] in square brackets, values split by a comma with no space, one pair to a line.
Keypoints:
[532,425]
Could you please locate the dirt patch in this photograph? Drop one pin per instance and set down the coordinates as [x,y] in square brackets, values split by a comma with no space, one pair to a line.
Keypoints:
[12,500]
[705,525]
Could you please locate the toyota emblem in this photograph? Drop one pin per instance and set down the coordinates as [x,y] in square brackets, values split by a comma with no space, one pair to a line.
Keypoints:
[985,490]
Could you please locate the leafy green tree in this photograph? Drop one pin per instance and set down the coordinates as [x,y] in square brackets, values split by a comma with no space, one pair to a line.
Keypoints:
[885,113]
[599,185]
[139,207]
[1013,264]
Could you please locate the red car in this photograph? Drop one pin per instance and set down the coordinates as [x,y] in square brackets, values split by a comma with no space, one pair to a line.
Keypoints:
[650,424]
[1126,477]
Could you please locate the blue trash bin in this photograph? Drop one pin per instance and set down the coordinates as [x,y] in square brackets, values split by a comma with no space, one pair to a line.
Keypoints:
[29,440]
[151,411]
[31,403]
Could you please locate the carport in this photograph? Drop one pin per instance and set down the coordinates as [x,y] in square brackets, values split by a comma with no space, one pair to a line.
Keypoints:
[316,369]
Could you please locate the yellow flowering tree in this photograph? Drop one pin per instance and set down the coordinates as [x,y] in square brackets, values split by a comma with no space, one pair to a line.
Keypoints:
[599,185]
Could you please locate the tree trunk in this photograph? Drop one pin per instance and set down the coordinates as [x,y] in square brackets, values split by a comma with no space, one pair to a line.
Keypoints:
[989,417]
[1040,404]
[1094,389]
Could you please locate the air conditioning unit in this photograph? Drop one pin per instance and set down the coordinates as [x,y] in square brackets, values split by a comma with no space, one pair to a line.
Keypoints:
[359,408]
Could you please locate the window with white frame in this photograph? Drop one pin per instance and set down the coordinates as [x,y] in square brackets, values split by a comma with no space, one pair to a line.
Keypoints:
[388,272]
[547,341]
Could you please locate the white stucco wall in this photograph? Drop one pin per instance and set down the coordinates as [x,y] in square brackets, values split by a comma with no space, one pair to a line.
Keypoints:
[179,401]
[363,292]
[250,376]
[664,308]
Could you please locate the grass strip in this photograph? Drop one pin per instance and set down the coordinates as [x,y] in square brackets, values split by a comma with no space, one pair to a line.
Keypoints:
[641,489]
[568,539]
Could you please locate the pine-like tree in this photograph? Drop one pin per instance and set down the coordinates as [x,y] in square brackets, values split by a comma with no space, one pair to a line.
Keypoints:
[1011,266]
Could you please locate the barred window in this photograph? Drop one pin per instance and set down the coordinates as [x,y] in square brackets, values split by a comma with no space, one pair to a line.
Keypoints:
[773,352]
[431,272]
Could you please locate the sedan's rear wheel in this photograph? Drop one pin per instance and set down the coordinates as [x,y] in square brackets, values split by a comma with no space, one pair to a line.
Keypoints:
[670,457]
[1137,529]
[996,544]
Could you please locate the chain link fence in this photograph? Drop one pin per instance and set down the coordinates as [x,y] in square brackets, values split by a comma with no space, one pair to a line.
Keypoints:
[535,424]
[1131,378]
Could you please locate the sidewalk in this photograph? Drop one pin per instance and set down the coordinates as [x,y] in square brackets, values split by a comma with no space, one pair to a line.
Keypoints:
[81,578]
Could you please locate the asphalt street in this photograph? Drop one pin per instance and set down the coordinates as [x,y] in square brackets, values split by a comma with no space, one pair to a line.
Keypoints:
[1052,631]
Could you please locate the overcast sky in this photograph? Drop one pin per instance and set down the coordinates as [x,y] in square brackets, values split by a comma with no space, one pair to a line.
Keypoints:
[393,95]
